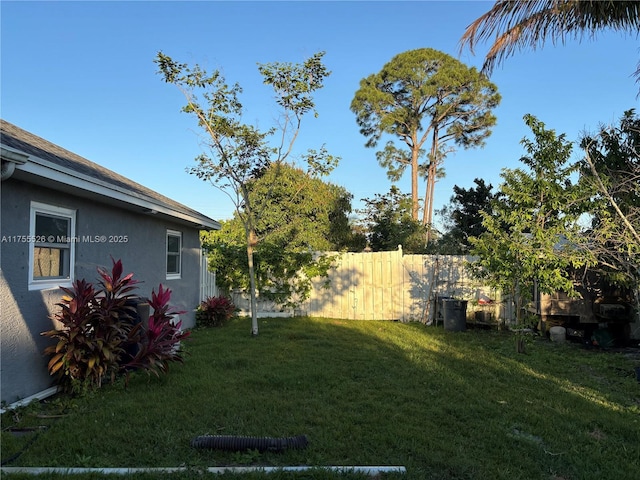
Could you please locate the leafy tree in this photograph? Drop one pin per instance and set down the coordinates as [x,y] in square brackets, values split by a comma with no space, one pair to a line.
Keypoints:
[388,223]
[301,216]
[462,218]
[532,230]
[611,170]
[517,24]
[423,96]
[240,153]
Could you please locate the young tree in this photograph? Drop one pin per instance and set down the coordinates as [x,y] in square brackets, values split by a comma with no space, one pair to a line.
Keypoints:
[388,223]
[532,232]
[238,152]
[424,96]
[462,218]
[302,216]
[517,24]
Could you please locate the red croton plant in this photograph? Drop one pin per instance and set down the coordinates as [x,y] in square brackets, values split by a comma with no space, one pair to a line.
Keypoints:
[99,338]
[215,311]
[162,337]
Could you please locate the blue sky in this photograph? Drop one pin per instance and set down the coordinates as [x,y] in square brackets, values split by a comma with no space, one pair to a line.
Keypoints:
[81,74]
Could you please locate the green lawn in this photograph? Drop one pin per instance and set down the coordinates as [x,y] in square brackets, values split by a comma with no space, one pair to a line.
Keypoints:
[444,405]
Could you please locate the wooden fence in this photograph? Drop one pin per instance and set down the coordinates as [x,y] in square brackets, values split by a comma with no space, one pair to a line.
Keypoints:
[390,286]
[393,286]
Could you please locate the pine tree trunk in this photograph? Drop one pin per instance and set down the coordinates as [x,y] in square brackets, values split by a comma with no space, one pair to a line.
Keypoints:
[427,216]
[415,204]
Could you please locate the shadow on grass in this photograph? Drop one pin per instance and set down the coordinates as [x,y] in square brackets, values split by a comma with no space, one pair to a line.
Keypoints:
[445,405]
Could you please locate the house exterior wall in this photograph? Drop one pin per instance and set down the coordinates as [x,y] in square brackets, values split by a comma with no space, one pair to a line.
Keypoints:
[24,313]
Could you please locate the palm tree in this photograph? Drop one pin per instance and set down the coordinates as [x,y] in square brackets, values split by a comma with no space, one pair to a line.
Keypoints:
[517,24]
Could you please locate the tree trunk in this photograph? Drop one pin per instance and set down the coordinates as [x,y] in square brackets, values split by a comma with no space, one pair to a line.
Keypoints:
[415,204]
[427,217]
[520,334]
[426,196]
[251,241]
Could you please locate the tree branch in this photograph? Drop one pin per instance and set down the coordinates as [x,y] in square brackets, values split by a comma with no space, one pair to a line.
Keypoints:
[606,193]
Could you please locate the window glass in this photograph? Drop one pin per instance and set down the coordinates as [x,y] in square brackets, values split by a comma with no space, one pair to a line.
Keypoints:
[172,264]
[51,226]
[173,244]
[174,253]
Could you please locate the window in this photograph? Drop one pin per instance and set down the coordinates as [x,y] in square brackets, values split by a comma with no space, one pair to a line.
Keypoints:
[51,246]
[174,253]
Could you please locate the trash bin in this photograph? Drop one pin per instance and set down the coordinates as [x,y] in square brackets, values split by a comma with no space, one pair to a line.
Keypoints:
[439,313]
[454,313]
[138,312]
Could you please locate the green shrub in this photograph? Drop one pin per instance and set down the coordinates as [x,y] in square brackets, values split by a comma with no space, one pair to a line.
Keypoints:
[215,311]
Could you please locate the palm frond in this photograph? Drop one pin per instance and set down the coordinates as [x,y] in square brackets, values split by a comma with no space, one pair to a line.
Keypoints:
[516,24]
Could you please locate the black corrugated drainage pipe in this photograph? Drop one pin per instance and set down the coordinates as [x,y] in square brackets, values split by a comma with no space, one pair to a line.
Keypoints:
[240,443]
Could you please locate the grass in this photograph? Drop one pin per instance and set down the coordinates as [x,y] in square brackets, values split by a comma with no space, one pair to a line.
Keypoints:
[444,405]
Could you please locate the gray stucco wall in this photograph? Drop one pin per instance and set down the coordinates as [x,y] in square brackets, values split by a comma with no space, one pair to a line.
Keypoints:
[24,313]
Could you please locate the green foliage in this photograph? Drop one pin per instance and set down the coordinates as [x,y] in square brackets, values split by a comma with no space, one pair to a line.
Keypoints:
[300,211]
[463,216]
[418,88]
[420,95]
[294,84]
[98,332]
[301,215]
[388,223]
[215,311]
[532,229]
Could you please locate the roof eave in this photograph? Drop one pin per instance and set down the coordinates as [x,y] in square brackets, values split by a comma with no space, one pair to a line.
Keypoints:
[43,172]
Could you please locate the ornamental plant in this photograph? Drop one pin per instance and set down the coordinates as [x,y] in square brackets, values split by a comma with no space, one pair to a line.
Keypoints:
[215,311]
[161,342]
[99,338]
[97,324]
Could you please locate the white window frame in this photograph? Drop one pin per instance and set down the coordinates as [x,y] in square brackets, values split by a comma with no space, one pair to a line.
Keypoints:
[36,283]
[178,274]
